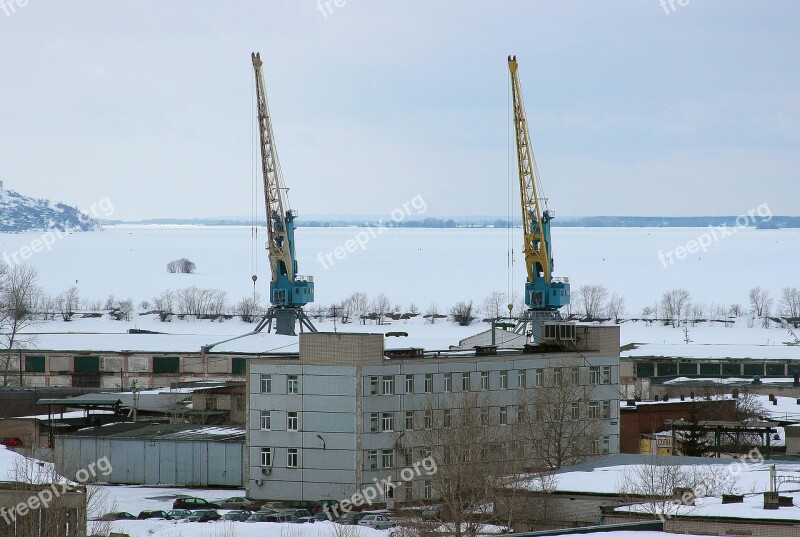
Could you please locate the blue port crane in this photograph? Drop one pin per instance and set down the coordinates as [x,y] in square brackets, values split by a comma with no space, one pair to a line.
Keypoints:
[544,293]
[288,290]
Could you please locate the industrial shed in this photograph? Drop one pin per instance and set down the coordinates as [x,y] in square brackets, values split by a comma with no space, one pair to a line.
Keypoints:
[158,454]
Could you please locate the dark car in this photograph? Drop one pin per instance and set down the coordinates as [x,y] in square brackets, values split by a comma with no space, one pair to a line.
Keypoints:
[118,515]
[237,516]
[298,513]
[203,515]
[154,514]
[260,516]
[322,516]
[312,507]
[194,504]
[178,514]
[10,441]
[433,512]
[305,520]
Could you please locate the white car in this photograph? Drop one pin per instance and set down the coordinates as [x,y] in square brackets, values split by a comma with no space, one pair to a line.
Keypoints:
[379,522]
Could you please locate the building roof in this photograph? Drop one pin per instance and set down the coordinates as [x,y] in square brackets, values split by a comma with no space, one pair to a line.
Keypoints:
[165,431]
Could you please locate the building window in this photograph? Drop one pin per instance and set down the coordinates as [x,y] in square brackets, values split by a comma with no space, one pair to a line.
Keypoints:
[596,446]
[448,382]
[427,490]
[428,419]
[266,383]
[521,415]
[594,375]
[409,420]
[429,383]
[35,364]
[241,403]
[574,411]
[166,364]
[503,380]
[447,419]
[292,384]
[575,376]
[484,453]
[266,420]
[388,385]
[606,410]
[539,378]
[503,415]
[266,456]
[408,455]
[594,410]
[238,366]
[606,442]
[387,422]
[409,490]
[373,385]
[292,458]
[484,416]
[373,423]
[292,421]
[465,384]
[409,383]
[606,375]
[558,379]
[387,456]
[372,459]
[484,380]
[466,455]
[521,380]
[539,413]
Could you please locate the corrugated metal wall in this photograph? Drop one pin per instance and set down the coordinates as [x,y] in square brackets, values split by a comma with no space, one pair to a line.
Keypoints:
[157,462]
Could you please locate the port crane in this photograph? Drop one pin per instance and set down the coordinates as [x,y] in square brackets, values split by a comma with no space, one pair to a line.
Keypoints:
[288,290]
[544,293]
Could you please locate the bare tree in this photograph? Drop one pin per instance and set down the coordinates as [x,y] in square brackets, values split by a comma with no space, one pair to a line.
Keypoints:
[790,304]
[381,305]
[735,310]
[432,313]
[473,452]
[558,420]
[463,313]
[494,305]
[648,315]
[67,302]
[19,295]
[592,300]
[248,308]
[615,308]
[183,266]
[674,305]
[760,302]
[165,305]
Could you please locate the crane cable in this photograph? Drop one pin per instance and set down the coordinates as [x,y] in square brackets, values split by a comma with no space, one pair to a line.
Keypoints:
[509,197]
[253,196]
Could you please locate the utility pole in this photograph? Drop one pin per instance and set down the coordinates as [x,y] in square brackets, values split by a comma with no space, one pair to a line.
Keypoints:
[135,391]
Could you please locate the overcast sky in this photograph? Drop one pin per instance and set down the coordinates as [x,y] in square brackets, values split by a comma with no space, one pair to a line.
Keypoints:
[633,110]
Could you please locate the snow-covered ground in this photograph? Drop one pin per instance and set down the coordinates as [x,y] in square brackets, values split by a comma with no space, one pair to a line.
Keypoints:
[412,265]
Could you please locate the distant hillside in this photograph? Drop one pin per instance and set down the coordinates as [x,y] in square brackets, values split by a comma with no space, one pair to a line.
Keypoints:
[21,213]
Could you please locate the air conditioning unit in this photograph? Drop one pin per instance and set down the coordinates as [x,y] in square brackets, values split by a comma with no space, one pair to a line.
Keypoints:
[266,471]
[258,482]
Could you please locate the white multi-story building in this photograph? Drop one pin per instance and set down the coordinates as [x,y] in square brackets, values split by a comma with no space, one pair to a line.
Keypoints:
[330,421]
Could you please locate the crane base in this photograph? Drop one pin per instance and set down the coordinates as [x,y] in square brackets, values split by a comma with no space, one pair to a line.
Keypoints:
[284,321]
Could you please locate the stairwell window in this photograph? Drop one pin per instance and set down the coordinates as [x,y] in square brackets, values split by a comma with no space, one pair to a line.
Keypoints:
[387,422]
[428,419]
[373,422]
[372,459]
[606,375]
[521,379]
[594,410]
[292,421]
[292,458]
[266,457]
[409,420]
[429,383]
[266,420]
[503,415]
[387,457]
[373,385]
[484,380]
[448,382]
[594,375]
[388,385]
[266,383]
[503,380]
[606,410]
[292,384]
[538,379]
[465,381]
[409,383]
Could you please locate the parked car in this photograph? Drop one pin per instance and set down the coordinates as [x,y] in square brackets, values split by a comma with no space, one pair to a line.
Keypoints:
[311,506]
[118,515]
[306,520]
[351,518]
[238,502]
[178,514]
[298,513]
[379,522]
[237,516]
[260,516]
[154,514]
[203,515]
[280,517]
[322,516]
[194,504]
[10,441]
[276,506]
[433,512]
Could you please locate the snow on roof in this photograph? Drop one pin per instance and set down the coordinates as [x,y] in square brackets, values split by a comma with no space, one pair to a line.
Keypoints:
[15,467]
[751,509]
[73,414]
